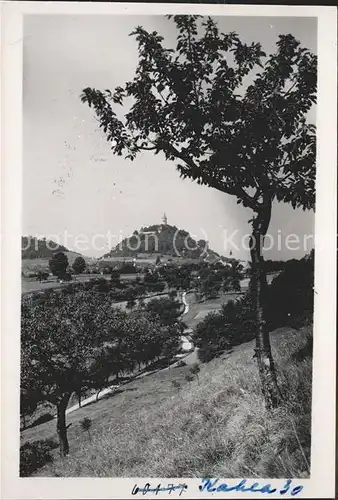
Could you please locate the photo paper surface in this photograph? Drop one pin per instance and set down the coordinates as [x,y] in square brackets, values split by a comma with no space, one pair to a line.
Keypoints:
[168,320]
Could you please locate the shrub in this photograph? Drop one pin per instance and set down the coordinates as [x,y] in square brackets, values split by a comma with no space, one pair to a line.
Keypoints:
[290,298]
[79,265]
[165,310]
[128,268]
[35,455]
[220,331]
[289,302]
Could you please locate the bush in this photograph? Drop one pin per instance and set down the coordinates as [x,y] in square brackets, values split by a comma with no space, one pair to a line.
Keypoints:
[79,265]
[155,286]
[289,301]
[220,331]
[128,268]
[165,310]
[41,276]
[35,455]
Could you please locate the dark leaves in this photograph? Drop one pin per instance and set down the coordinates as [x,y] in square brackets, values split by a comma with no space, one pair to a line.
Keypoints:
[192,105]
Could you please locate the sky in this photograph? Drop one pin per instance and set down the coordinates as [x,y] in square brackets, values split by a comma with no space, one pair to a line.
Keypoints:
[77,192]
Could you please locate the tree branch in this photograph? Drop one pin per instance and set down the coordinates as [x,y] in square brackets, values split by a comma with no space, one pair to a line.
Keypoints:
[143,148]
[237,191]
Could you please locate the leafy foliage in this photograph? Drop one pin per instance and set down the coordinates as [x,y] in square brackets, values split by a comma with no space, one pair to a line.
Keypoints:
[220,331]
[194,105]
[290,298]
[35,455]
[71,341]
[79,265]
[58,264]
[34,248]
[289,302]
[164,310]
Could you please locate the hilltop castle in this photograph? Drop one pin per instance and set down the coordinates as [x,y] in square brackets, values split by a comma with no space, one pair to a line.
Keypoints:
[160,227]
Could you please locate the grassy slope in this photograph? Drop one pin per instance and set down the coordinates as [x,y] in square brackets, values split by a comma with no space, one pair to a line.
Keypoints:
[33,265]
[218,428]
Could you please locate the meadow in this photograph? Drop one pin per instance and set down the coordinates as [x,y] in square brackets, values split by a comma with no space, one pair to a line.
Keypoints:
[217,426]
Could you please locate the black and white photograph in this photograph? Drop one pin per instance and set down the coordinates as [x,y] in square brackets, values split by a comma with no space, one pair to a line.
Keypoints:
[168,252]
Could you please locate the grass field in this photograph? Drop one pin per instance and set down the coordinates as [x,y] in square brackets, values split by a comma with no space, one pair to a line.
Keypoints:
[219,428]
[29,285]
[34,265]
[198,310]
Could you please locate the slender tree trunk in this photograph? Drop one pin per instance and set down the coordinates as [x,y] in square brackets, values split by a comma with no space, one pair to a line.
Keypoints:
[79,397]
[61,425]
[263,353]
[97,394]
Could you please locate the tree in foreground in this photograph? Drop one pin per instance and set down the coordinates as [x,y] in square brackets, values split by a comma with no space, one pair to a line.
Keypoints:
[79,265]
[74,342]
[195,106]
[60,339]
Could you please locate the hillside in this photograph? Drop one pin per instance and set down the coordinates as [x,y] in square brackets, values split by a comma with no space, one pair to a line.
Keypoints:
[36,253]
[162,239]
[33,248]
[217,427]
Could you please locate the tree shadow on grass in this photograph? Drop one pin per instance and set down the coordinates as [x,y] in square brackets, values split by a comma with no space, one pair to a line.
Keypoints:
[46,417]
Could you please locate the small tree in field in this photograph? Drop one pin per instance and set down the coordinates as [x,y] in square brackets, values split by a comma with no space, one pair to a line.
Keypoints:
[58,264]
[86,424]
[79,265]
[194,105]
[194,370]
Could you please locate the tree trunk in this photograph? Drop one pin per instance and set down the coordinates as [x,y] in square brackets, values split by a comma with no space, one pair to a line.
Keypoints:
[61,425]
[79,397]
[97,394]
[263,353]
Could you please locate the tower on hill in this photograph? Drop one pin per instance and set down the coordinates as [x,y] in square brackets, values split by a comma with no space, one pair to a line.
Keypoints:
[164,219]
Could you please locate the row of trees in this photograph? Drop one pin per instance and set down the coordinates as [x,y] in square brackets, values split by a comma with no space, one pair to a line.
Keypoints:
[59,265]
[211,278]
[211,281]
[77,341]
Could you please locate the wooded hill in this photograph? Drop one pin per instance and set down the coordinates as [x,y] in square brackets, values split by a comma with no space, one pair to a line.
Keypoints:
[162,239]
[34,248]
